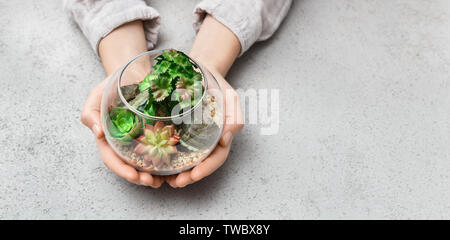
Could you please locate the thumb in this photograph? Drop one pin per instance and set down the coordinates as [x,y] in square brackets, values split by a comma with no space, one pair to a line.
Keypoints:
[91,118]
[233,117]
[229,131]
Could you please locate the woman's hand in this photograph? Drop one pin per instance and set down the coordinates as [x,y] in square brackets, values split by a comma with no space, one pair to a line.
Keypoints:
[215,47]
[116,49]
[233,124]
[90,117]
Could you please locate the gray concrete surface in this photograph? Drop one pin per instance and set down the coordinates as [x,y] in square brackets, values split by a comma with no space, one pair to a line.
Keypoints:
[364,131]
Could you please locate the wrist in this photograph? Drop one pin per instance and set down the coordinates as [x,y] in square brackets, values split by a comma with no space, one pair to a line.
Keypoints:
[204,60]
[121,45]
[215,46]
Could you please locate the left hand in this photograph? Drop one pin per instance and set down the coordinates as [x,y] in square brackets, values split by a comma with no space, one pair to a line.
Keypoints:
[232,125]
[90,117]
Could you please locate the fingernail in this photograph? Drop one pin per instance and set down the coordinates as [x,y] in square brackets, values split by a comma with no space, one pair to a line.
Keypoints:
[96,130]
[135,182]
[227,138]
[196,176]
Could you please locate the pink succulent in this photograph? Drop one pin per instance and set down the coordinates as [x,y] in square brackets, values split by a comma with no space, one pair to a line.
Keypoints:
[157,144]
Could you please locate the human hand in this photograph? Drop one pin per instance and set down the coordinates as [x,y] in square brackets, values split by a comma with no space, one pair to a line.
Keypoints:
[90,117]
[233,124]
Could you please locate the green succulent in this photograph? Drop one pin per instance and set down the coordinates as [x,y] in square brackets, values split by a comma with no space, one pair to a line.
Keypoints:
[188,91]
[125,125]
[159,84]
[173,71]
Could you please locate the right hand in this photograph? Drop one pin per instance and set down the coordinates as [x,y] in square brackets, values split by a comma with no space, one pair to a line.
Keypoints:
[233,124]
[90,116]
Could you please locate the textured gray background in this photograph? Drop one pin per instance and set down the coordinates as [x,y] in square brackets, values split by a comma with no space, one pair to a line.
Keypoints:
[364,132]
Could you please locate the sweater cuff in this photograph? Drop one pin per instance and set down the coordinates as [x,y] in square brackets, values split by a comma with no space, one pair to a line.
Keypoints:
[239,16]
[109,18]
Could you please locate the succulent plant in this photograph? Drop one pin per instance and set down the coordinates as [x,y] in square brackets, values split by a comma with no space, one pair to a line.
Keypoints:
[189,90]
[125,125]
[172,73]
[157,144]
[160,85]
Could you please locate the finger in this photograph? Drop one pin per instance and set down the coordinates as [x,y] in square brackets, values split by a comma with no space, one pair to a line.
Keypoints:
[171,180]
[227,137]
[183,179]
[212,163]
[135,182]
[233,117]
[234,121]
[90,115]
[91,118]
[145,179]
[113,162]
[157,181]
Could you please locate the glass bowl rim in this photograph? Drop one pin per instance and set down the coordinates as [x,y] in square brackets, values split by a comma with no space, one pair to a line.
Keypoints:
[145,115]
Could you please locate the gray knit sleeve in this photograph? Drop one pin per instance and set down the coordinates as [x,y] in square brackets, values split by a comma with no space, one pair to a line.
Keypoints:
[97,18]
[250,20]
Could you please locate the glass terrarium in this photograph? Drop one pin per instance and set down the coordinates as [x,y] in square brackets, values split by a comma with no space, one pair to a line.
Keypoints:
[162,112]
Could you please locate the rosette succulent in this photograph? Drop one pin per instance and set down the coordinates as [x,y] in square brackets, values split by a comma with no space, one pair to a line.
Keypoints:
[173,73]
[157,144]
[125,125]
[189,91]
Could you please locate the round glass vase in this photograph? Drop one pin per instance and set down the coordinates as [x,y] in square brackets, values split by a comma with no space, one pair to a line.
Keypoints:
[160,145]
